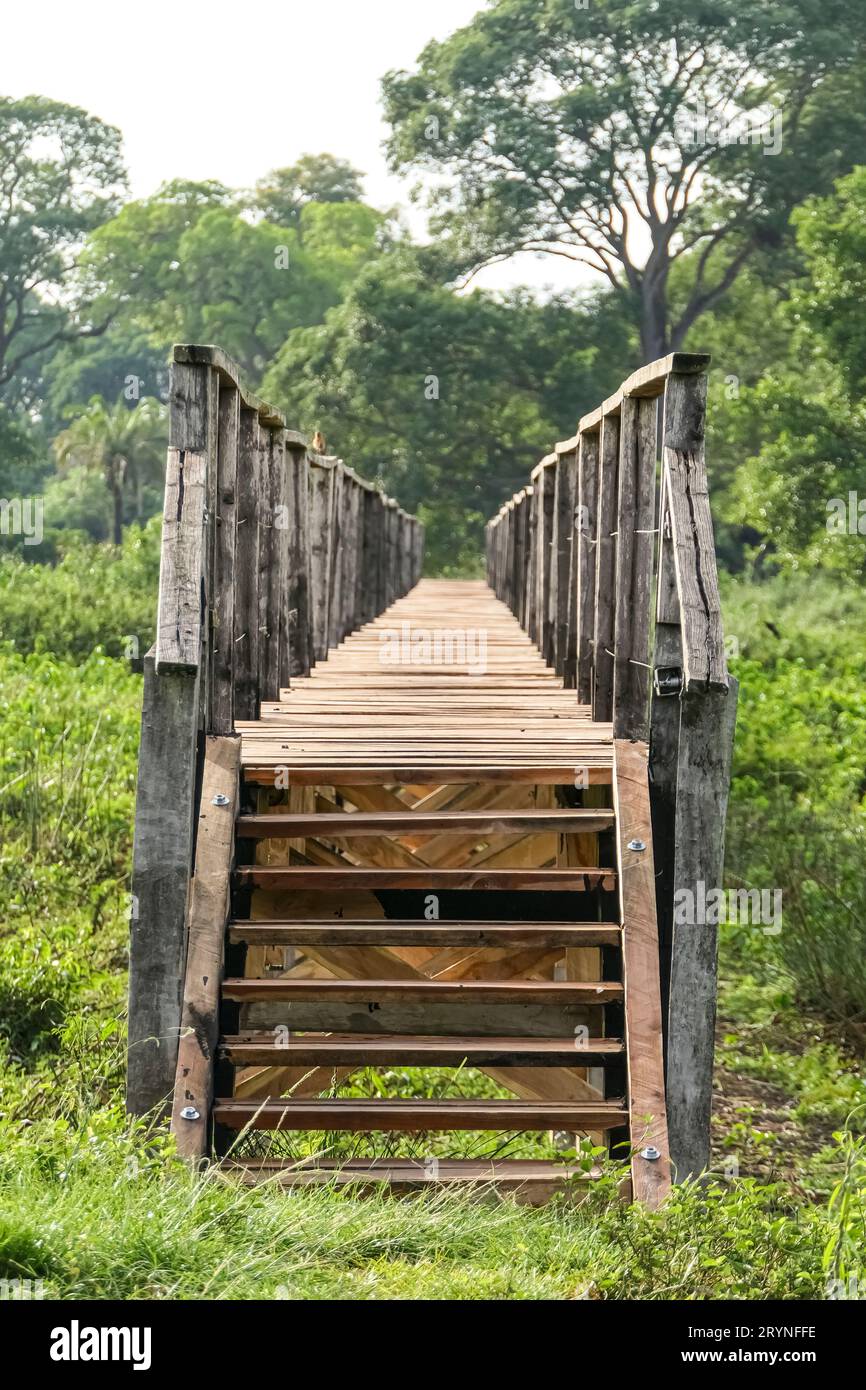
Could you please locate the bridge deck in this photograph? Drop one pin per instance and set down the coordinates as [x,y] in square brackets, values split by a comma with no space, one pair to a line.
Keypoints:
[445,684]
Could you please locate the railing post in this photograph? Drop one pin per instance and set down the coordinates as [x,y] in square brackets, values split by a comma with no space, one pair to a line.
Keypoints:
[299,587]
[563,547]
[691,761]
[175,702]
[250,486]
[635,548]
[320,545]
[599,662]
[582,590]
[225,561]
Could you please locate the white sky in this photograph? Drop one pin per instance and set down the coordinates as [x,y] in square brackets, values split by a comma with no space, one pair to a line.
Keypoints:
[228,90]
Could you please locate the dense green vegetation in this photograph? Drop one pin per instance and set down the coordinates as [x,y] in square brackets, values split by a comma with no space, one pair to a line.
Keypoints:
[448,397]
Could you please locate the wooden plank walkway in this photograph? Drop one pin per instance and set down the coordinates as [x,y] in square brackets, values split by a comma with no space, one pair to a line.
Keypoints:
[409,809]
[485,705]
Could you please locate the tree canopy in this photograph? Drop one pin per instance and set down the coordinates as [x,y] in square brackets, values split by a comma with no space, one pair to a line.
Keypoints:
[61,175]
[609,135]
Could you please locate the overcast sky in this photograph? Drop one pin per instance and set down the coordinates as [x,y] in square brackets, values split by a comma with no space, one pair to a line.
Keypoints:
[212,89]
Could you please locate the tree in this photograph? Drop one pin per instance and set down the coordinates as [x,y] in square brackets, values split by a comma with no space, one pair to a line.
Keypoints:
[603,134]
[125,445]
[189,266]
[60,177]
[793,432]
[321,178]
[450,400]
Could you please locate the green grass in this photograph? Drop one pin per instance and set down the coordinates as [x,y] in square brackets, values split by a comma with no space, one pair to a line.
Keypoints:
[98,1208]
[95,1211]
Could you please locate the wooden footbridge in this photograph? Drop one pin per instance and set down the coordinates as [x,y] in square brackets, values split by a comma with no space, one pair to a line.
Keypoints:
[387,822]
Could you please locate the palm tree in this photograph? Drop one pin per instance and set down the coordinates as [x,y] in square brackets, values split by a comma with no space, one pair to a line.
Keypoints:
[126,444]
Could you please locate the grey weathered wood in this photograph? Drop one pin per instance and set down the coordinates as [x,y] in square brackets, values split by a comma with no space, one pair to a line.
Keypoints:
[460,1017]
[706,738]
[320,525]
[179,615]
[285,617]
[640,958]
[222,716]
[391,551]
[273,566]
[335,552]
[635,548]
[299,582]
[647,381]
[352,548]
[605,572]
[526,547]
[417,550]
[208,915]
[161,862]
[563,541]
[585,543]
[532,568]
[544,476]
[704,664]
[249,492]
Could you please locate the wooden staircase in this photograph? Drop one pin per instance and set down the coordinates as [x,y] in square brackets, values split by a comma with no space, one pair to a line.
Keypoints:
[395,876]
[419,863]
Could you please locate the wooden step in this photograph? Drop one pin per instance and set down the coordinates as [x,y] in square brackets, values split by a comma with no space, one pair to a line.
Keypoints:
[416,1116]
[356,1050]
[428,880]
[372,992]
[353,823]
[529,1180]
[358,932]
[362,771]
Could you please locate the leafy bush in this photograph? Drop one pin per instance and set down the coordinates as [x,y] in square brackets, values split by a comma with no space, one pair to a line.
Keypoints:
[798,818]
[95,596]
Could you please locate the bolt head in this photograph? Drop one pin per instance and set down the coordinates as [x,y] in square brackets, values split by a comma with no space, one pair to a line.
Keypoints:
[220,799]
[650,1153]
[189,1112]
[637,845]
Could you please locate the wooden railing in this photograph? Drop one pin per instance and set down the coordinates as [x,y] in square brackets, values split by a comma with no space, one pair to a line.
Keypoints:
[271,554]
[607,559]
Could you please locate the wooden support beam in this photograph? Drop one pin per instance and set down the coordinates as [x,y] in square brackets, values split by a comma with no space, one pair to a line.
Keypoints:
[222,720]
[706,738]
[585,547]
[250,486]
[694,552]
[635,549]
[650,1175]
[563,545]
[605,574]
[161,864]
[320,527]
[208,914]
[179,615]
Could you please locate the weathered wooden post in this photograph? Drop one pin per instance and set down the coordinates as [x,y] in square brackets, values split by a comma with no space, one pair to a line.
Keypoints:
[693,719]
[581,661]
[299,584]
[320,546]
[173,709]
[598,662]
[563,545]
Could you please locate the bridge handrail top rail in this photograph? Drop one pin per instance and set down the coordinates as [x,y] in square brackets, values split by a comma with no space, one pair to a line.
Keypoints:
[209,355]
[646,381]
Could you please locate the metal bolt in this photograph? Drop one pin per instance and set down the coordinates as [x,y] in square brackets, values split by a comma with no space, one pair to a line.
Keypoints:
[650,1153]
[636,845]
[220,799]
[189,1112]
